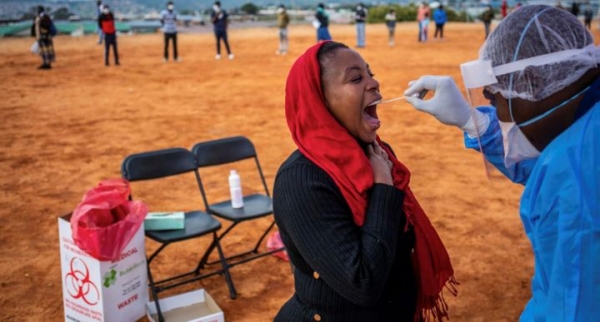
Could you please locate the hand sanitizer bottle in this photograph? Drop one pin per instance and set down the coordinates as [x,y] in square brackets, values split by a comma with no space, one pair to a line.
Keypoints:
[235,188]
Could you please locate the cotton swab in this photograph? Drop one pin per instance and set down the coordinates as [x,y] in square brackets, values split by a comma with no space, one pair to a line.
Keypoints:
[419,95]
[388,101]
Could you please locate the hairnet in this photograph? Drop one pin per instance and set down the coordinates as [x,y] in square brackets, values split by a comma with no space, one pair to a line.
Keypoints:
[536,30]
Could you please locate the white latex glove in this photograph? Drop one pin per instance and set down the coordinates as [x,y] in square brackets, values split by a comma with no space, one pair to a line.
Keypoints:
[447,104]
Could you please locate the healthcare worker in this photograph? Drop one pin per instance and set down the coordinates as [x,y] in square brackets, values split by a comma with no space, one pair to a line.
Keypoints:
[539,71]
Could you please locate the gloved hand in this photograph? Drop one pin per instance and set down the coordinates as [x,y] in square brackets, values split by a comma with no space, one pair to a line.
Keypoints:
[447,104]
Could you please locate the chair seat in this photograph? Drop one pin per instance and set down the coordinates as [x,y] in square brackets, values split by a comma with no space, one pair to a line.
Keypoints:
[197,223]
[255,206]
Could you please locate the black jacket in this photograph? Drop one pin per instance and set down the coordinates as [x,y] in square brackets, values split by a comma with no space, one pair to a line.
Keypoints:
[322,18]
[342,272]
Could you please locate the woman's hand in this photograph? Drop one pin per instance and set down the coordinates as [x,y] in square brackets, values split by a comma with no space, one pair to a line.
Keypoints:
[381,164]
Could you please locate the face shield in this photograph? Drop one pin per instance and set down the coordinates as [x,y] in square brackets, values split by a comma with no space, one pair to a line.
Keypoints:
[481,82]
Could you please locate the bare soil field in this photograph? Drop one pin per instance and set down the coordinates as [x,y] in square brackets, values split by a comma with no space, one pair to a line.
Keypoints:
[64,130]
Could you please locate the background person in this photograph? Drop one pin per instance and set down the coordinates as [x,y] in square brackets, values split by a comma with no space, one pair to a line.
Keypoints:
[425,27]
[390,22]
[588,14]
[283,20]
[41,30]
[323,21]
[360,18]
[421,11]
[487,16]
[440,18]
[220,22]
[575,8]
[98,13]
[541,130]
[343,205]
[106,22]
[169,23]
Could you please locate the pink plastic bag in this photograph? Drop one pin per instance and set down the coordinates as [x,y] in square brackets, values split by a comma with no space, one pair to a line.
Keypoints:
[274,242]
[105,220]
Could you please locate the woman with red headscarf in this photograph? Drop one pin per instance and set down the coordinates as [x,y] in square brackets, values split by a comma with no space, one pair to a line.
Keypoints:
[361,247]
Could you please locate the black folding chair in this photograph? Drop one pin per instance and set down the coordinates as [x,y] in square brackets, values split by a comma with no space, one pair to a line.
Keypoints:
[258,205]
[166,163]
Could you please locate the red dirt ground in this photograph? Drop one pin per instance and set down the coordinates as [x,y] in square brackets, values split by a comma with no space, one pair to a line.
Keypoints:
[66,129]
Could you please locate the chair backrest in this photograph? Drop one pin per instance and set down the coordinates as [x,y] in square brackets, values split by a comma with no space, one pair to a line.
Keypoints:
[222,151]
[158,164]
[227,150]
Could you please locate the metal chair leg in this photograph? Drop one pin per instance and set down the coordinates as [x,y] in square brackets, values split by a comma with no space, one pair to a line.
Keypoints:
[154,293]
[204,261]
[232,291]
[251,251]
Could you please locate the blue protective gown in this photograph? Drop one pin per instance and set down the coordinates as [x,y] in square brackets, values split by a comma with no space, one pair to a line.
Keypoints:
[560,210]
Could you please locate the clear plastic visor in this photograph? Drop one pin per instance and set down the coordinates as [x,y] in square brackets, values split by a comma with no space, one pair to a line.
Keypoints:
[479,77]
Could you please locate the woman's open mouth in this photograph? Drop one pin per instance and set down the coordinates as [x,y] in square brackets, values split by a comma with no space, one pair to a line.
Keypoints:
[370,114]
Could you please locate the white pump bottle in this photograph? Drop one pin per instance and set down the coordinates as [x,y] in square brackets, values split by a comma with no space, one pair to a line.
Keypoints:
[235,188]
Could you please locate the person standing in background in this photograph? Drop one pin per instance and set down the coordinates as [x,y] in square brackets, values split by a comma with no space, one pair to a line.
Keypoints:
[283,20]
[421,11]
[425,27]
[575,8]
[219,19]
[390,22]
[440,18]
[169,23]
[98,13]
[323,21]
[106,22]
[41,30]
[360,17]
[487,17]
[588,14]
[504,9]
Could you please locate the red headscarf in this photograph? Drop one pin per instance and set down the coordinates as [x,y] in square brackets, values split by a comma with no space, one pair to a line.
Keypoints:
[328,144]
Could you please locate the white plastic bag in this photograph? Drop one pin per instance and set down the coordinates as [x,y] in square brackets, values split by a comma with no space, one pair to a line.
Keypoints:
[316,24]
[35,48]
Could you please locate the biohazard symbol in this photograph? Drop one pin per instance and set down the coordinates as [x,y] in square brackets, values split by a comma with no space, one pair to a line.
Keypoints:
[78,283]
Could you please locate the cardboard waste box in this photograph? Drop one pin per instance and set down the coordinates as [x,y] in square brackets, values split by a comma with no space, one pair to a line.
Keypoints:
[95,290]
[194,306]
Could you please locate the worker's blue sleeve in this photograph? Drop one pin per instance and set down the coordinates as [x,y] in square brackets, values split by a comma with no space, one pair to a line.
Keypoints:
[493,149]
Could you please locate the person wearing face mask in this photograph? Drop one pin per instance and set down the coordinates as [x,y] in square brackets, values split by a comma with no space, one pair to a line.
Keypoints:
[106,22]
[360,18]
[421,11]
[390,22]
[169,23]
[219,19]
[98,13]
[322,23]
[283,20]
[539,70]
[361,247]
[41,29]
